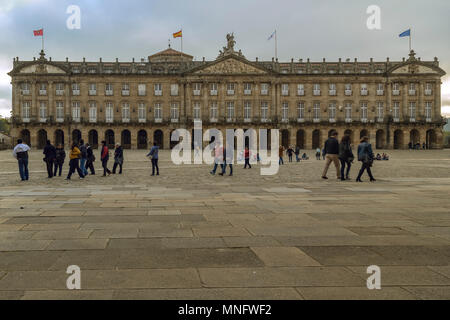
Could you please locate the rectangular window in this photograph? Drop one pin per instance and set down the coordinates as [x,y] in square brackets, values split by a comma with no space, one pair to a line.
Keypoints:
[109,112]
[348,89]
[141,112]
[92,112]
[174,112]
[213,89]
[125,89]
[301,111]
[316,112]
[109,89]
[247,88]
[230,89]
[285,112]
[43,89]
[412,89]
[412,111]
[264,89]
[196,109]
[26,106]
[380,111]
[142,89]
[197,89]
[364,112]
[264,110]
[396,89]
[125,112]
[230,111]
[214,111]
[364,90]
[158,112]
[332,112]
[158,89]
[247,111]
[174,89]
[316,89]
[285,89]
[76,111]
[59,89]
[380,89]
[428,110]
[332,89]
[92,89]
[300,89]
[43,111]
[75,89]
[59,111]
[396,111]
[25,88]
[348,112]
[428,89]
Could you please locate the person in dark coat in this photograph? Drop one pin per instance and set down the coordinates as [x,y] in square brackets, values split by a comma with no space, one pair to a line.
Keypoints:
[59,161]
[50,156]
[332,154]
[104,156]
[345,156]
[366,156]
[118,158]
[90,159]
[297,153]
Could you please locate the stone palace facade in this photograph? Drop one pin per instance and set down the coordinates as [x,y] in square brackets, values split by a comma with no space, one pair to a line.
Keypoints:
[139,102]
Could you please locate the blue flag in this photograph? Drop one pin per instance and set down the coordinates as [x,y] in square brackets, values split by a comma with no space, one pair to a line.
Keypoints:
[407,33]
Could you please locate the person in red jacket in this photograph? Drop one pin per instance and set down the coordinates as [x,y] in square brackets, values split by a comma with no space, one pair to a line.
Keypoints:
[247,158]
[105,157]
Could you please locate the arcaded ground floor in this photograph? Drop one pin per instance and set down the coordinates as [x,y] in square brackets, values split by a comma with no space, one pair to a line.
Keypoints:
[189,235]
[306,137]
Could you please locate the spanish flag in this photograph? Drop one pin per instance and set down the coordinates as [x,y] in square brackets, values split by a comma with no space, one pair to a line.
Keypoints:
[178,34]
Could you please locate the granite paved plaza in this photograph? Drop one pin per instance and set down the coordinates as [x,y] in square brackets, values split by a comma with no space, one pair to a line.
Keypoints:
[189,235]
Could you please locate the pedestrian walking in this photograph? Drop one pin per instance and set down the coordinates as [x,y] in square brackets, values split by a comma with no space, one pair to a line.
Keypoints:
[154,153]
[345,157]
[90,159]
[218,157]
[297,153]
[318,154]
[83,158]
[59,160]
[118,158]
[366,156]
[281,154]
[49,159]
[290,153]
[331,151]
[228,156]
[247,158]
[20,152]
[104,156]
[74,164]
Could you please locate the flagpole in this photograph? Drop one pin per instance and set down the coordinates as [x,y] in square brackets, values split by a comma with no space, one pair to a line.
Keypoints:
[410,35]
[42,38]
[276,45]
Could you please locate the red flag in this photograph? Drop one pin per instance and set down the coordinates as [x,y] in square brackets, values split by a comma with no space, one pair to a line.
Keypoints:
[39,33]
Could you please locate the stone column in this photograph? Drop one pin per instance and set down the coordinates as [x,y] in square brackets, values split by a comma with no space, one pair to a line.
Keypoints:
[436,113]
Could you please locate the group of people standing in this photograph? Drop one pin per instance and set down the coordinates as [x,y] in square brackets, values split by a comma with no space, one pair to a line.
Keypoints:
[341,155]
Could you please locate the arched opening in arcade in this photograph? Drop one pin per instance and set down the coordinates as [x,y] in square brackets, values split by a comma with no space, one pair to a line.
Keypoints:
[398,139]
[126,139]
[431,139]
[142,140]
[285,141]
[363,133]
[316,139]
[381,139]
[414,137]
[26,137]
[93,139]
[42,139]
[158,138]
[76,136]
[59,137]
[301,139]
[110,139]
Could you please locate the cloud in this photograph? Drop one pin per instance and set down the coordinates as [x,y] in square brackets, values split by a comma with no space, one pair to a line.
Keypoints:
[5,108]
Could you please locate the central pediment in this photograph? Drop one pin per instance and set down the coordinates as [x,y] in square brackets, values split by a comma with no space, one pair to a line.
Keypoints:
[230,65]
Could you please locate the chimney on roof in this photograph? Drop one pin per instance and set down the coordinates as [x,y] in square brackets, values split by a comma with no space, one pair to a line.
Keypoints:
[387,59]
[67,59]
[100,60]
[403,59]
[256,59]
[84,59]
[133,60]
[324,60]
[371,60]
[117,59]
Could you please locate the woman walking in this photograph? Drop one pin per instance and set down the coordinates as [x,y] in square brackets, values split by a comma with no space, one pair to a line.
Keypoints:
[345,156]
[365,155]
[90,159]
[74,157]
[59,161]
[105,157]
[118,159]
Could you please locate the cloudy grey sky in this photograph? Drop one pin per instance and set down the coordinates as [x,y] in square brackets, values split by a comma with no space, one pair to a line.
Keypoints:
[309,28]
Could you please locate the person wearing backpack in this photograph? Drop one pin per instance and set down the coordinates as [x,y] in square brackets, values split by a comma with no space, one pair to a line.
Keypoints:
[345,157]
[59,161]
[366,156]
[90,159]
[83,158]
